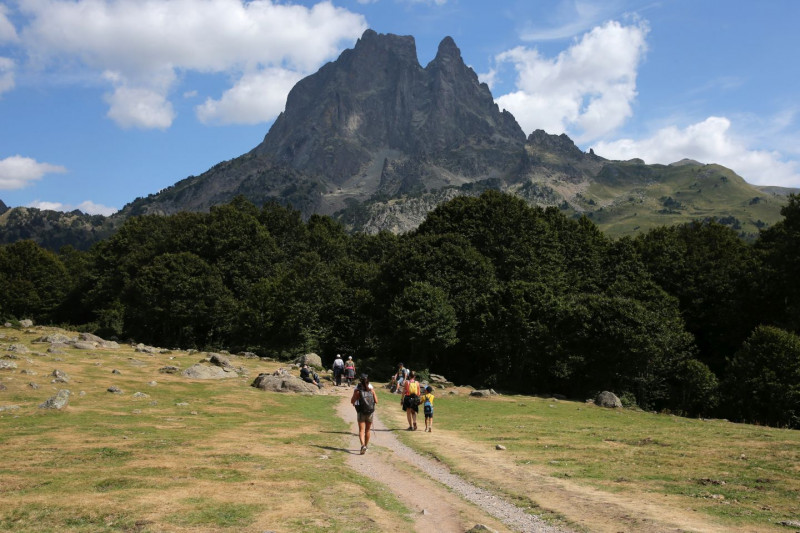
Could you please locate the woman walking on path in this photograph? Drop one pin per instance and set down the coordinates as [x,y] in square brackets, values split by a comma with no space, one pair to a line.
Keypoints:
[349,370]
[364,400]
[410,400]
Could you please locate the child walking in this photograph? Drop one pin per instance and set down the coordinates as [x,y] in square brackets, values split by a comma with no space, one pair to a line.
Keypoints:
[427,408]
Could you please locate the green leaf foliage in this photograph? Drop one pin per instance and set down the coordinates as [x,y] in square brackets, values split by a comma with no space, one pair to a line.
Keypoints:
[488,291]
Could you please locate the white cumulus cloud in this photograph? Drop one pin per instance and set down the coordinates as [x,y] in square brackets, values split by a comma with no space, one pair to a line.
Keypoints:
[88,207]
[709,141]
[587,91]
[149,44]
[256,97]
[17,172]
[132,107]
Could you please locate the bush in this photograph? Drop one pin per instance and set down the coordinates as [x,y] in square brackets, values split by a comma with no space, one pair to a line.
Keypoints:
[762,383]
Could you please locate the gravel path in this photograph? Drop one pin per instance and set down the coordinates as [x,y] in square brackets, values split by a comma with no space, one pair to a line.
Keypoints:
[512,516]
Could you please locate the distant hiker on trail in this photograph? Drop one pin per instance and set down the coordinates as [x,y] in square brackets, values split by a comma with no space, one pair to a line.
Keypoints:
[309,376]
[338,370]
[364,400]
[400,377]
[427,407]
[349,370]
[410,400]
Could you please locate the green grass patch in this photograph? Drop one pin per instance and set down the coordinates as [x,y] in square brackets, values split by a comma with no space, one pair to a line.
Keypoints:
[742,475]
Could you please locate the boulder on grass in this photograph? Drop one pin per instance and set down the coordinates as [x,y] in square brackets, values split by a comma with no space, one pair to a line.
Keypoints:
[59,401]
[201,371]
[607,399]
[310,359]
[283,383]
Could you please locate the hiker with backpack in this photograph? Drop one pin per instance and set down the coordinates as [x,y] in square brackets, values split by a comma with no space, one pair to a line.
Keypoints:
[364,400]
[338,370]
[410,400]
[427,407]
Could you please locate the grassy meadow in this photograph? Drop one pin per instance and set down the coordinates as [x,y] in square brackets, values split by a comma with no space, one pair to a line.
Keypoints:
[215,455]
[219,455]
[733,475]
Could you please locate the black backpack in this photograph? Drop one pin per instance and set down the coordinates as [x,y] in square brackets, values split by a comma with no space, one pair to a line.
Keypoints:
[366,402]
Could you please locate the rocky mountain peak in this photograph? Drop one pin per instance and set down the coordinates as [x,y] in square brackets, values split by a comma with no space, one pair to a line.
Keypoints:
[448,50]
[375,104]
[3,207]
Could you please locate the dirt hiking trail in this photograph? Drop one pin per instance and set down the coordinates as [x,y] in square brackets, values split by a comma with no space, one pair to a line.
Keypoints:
[442,501]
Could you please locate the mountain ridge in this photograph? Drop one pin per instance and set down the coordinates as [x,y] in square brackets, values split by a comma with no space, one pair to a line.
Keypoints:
[377,141]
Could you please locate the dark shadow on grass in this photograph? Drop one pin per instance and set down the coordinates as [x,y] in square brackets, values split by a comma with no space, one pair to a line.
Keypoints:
[335,449]
[341,433]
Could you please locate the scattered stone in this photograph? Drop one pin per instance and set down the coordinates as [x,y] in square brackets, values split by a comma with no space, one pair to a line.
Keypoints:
[145,349]
[8,408]
[59,377]
[201,371]
[84,345]
[7,365]
[59,401]
[98,342]
[283,382]
[115,371]
[608,399]
[483,393]
[791,523]
[310,359]
[152,383]
[27,372]
[27,323]
[182,404]
[57,348]
[114,390]
[499,447]
[169,369]
[140,395]
[54,338]
[11,356]
[479,528]
[18,348]
[2,386]
[220,361]
[82,393]
[33,385]
[136,412]
[248,355]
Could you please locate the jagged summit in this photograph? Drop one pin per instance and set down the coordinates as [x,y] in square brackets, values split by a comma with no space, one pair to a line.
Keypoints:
[375,109]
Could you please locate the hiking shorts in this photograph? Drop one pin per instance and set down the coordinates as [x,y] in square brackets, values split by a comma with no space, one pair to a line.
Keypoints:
[364,417]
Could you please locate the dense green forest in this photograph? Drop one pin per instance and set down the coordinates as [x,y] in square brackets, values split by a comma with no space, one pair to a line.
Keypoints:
[488,291]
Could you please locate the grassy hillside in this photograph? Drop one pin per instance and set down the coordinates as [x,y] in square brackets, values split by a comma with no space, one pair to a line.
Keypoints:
[628,198]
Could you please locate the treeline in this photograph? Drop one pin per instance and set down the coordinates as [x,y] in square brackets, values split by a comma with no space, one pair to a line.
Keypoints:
[487,291]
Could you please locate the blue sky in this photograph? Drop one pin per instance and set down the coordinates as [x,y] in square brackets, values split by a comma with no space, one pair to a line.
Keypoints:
[103,101]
